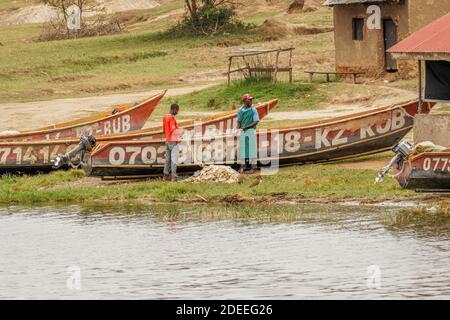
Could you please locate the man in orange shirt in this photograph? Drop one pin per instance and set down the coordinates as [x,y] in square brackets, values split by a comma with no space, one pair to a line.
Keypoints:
[172,143]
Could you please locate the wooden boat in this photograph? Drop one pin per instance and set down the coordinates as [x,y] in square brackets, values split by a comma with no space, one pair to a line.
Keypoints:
[428,171]
[339,138]
[36,156]
[222,123]
[120,120]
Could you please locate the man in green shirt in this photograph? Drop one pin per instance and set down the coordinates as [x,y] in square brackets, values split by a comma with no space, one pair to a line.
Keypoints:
[248,119]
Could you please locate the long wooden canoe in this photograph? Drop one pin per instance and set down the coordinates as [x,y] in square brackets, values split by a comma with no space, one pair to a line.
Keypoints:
[127,119]
[35,156]
[218,124]
[428,171]
[339,138]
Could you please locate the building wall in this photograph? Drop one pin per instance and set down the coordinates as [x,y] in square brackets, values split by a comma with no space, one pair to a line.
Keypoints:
[432,127]
[423,12]
[367,55]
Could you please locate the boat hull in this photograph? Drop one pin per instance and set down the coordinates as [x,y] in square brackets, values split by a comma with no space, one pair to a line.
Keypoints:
[341,138]
[224,123]
[128,120]
[35,156]
[32,157]
[429,171]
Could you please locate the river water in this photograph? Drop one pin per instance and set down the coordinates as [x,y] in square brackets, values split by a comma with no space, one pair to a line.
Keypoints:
[135,253]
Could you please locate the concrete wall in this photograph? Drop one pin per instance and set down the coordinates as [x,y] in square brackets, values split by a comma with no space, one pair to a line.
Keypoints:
[367,55]
[432,127]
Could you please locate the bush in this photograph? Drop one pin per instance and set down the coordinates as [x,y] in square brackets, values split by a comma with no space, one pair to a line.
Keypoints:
[209,19]
[101,25]
[74,11]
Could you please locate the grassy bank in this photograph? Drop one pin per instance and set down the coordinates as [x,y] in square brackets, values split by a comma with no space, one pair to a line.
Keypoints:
[127,62]
[285,213]
[141,58]
[320,182]
[121,63]
[292,96]
[145,58]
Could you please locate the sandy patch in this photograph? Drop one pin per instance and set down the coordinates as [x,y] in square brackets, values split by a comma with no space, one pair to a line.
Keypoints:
[42,13]
[113,6]
[31,115]
[342,105]
[213,75]
[33,14]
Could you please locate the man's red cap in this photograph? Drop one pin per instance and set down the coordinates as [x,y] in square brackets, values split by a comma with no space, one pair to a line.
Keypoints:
[247,97]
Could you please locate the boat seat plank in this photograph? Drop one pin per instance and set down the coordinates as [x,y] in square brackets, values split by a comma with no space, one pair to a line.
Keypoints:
[328,73]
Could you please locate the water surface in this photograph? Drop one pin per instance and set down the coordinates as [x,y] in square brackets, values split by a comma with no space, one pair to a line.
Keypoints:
[135,253]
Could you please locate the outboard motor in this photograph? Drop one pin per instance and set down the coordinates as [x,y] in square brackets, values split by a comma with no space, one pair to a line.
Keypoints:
[86,144]
[402,151]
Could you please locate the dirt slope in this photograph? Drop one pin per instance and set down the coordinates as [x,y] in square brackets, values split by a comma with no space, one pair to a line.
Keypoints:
[40,13]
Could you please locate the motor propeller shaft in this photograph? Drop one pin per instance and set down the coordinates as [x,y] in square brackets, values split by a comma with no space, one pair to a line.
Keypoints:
[402,151]
[86,144]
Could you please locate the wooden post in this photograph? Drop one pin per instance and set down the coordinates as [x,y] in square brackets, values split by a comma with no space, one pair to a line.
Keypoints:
[248,67]
[290,58]
[229,70]
[328,77]
[276,66]
[420,87]
[290,66]
[354,78]
[311,75]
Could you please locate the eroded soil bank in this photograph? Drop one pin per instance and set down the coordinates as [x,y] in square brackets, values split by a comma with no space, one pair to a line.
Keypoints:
[347,183]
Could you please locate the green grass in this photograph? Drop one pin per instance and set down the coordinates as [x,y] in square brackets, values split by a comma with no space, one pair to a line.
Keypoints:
[330,182]
[126,62]
[260,17]
[12,36]
[140,59]
[292,96]
[248,212]
[423,220]
[165,8]
[138,20]
[16,4]
[321,17]
[243,211]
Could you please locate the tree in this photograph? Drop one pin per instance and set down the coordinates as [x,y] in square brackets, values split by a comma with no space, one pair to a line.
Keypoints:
[97,25]
[192,8]
[62,5]
[209,16]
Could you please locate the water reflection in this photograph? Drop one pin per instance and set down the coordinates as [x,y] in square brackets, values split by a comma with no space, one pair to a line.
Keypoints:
[245,251]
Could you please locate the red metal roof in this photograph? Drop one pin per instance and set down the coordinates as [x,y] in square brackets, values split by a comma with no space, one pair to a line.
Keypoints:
[434,38]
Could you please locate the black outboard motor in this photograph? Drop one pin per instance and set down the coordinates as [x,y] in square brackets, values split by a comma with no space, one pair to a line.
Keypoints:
[86,145]
[402,151]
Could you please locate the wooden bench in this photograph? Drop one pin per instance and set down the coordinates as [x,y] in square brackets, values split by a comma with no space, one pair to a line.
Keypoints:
[327,73]
[271,70]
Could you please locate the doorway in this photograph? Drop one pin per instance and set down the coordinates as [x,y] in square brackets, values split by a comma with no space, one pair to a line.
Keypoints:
[390,39]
